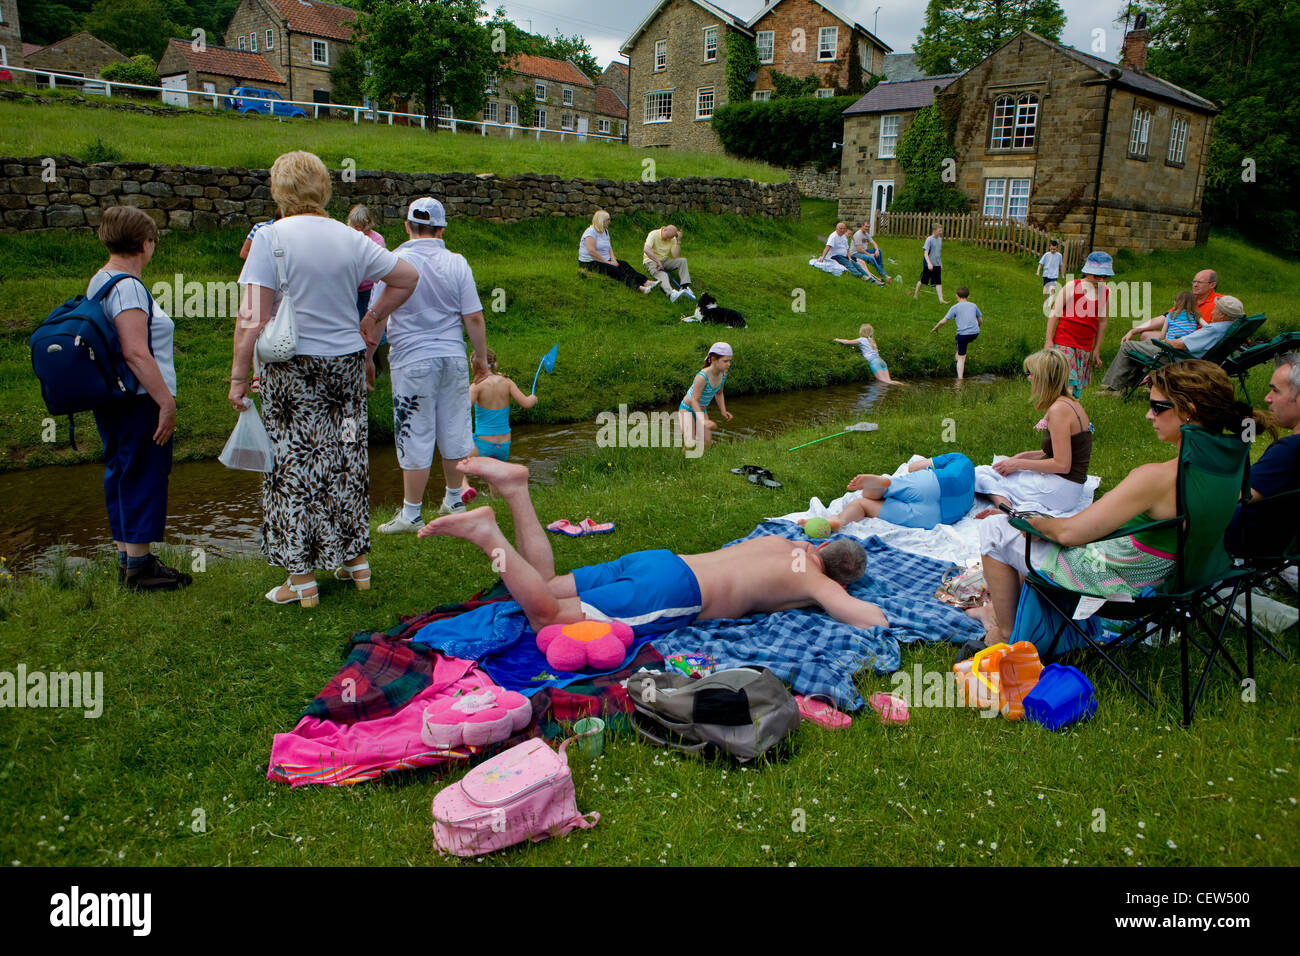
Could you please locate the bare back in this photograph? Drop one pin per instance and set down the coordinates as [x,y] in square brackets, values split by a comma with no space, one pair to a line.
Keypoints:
[491,393]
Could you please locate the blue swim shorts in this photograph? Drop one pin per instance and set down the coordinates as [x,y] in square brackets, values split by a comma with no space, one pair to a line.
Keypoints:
[499,450]
[650,591]
[877,365]
[913,500]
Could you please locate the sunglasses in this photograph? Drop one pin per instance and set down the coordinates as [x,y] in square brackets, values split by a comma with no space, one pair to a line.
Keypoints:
[1159,407]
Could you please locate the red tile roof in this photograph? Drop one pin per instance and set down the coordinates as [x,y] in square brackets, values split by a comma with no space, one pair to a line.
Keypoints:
[223,61]
[561,71]
[317,19]
[608,103]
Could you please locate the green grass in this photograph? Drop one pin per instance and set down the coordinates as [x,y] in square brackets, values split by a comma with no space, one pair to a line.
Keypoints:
[197,683]
[253,141]
[616,346]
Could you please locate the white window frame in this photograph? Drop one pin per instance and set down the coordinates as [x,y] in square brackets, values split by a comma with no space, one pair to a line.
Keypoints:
[762,96]
[1139,137]
[661,55]
[566,121]
[700,95]
[490,111]
[324,45]
[765,38]
[1177,154]
[1018,190]
[539,92]
[825,93]
[540,121]
[491,88]
[270,39]
[602,126]
[1004,196]
[243,43]
[710,52]
[833,33]
[4,56]
[654,101]
[252,42]
[566,96]
[512,114]
[995,198]
[622,128]
[1015,122]
[888,143]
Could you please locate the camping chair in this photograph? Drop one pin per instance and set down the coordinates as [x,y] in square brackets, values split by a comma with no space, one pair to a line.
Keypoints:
[1233,340]
[1268,543]
[1240,364]
[1212,474]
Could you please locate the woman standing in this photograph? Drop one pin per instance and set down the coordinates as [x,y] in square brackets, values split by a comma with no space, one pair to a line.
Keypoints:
[137,431]
[595,252]
[315,503]
[1076,323]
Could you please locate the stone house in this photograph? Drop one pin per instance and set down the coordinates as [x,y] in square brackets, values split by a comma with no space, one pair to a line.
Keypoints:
[11,36]
[78,55]
[1074,144]
[615,77]
[870,174]
[213,69]
[807,37]
[562,96]
[611,112]
[300,39]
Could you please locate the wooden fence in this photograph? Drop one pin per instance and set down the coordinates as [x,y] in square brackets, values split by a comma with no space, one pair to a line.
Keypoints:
[1003,235]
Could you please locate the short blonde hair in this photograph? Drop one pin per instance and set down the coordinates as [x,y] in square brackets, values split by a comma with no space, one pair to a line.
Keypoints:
[300,183]
[866,330]
[600,220]
[1051,377]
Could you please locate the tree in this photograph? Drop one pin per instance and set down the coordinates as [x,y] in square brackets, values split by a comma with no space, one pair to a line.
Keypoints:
[922,151]
[435,52]
[348,77]
[558,47]
[960,33]
[132,26]
[44,22]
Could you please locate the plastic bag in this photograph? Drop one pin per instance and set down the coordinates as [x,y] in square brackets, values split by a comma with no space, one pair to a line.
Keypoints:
[249,447]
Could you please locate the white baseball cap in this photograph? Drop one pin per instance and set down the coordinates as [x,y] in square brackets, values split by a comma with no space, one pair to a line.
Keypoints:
[720,348]
[427,211]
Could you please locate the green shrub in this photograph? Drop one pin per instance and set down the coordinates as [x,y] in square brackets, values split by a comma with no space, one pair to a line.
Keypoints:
[98,151]
[786,132]
[141,69]
[922,151]
[742,60]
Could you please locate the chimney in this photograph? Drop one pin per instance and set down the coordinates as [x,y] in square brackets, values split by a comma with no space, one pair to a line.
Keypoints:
[1133,56]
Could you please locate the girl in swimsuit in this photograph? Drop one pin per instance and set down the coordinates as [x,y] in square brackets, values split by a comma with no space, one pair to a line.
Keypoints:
[707,384]
[491,396]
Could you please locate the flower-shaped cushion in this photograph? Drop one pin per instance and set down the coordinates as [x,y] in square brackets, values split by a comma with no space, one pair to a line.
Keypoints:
[485,715]
[571,647]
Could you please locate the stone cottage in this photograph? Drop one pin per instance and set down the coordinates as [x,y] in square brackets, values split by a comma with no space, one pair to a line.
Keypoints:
[81,54]
[611,112]
[1071,143]
[562,96]
[301,39]
[213,69]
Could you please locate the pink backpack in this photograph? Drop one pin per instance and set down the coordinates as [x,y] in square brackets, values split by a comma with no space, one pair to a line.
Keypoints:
[525,793]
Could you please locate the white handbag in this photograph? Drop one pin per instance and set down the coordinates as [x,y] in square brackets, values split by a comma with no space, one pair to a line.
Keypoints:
[279,339]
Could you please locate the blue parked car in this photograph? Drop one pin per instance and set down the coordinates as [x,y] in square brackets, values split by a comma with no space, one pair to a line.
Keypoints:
[238,100]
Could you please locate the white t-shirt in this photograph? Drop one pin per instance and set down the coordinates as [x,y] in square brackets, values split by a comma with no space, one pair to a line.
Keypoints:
[839,245]
[325,261]
[1051,263]
[868,348]
[862,241]
[603,248]
[131,294]
[429,324]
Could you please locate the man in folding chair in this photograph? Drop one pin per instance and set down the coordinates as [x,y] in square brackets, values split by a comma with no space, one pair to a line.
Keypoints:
[1125,373]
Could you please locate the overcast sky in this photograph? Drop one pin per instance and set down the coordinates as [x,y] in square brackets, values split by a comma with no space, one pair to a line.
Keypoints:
[606,25]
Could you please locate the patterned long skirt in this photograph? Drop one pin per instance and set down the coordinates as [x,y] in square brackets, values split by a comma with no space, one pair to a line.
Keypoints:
[316,501]
[1114,566]
[1080,362]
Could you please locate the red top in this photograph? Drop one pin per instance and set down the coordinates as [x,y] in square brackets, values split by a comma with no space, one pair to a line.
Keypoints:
[1077,328]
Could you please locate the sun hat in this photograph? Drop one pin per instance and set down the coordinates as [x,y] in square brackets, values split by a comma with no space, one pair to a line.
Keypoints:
[720,348]
[427,211]
[1098,264]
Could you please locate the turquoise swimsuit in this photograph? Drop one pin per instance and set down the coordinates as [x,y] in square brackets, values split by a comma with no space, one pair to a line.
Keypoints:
[492,421]
[706,396]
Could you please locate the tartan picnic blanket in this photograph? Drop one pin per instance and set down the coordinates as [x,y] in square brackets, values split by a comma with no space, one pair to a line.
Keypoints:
[816,654]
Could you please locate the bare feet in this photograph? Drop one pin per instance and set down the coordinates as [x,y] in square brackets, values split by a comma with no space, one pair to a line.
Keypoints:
[984,614]
[478,526]
[504,476]
[871,486]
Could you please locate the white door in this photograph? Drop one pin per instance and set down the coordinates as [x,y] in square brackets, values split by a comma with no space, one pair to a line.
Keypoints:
[882,194]
[172,83]
[582,129]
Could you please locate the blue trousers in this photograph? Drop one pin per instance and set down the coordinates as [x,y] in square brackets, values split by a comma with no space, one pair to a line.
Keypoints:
[849,264]
[135,470]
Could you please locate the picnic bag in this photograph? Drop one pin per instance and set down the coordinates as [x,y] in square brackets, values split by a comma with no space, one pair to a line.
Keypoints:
[77,355]
[278,342]
[742,712]
[525,793]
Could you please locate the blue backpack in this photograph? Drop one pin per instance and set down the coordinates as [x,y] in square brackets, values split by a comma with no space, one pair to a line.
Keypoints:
[77,355]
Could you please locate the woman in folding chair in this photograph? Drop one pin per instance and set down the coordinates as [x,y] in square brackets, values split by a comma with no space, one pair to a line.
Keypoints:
[1191,392]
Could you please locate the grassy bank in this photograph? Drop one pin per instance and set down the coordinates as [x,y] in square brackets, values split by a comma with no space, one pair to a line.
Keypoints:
[253,141]
[617,346]
[196,684]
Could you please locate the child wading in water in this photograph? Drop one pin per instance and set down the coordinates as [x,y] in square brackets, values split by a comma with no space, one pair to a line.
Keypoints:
[708,383]
[491,396]
[867,344]
[968,318]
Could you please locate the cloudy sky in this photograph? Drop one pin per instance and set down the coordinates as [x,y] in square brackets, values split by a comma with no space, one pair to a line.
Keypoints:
[606,25]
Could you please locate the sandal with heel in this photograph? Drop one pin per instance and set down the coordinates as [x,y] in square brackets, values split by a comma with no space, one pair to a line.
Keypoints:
[345,572]
[306,600]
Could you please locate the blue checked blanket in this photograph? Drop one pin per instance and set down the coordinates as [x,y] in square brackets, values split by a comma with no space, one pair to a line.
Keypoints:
[816,654]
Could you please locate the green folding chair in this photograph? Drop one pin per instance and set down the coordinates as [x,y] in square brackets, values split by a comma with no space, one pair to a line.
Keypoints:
[1266,542]
[1238,366]
[1233,341]
[1212,474]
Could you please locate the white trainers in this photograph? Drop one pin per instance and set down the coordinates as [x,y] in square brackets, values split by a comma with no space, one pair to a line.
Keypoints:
[455,509]
[674,295]
[399,525]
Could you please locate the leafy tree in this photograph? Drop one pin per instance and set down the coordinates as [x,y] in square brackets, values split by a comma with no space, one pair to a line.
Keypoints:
[141,69]
[348,77]
[44,22]
[742,60]
[132,26]
[1241,55]
[960,33]
[922,149]
[436,52]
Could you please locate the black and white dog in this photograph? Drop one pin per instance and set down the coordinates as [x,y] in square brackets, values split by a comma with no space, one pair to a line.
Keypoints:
[708,310]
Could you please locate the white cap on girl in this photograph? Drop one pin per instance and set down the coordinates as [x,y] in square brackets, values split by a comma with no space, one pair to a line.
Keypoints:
[720,348]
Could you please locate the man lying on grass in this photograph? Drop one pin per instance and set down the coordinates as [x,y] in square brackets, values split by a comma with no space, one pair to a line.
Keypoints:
[657,591]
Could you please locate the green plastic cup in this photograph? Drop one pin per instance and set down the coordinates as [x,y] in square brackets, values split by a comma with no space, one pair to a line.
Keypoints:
[592,745]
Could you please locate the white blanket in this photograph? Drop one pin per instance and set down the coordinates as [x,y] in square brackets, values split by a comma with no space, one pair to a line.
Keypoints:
[827,265]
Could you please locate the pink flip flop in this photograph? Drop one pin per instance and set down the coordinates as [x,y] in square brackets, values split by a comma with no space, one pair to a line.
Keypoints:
[591,527]
[820,709]
[891,708]
[566,527]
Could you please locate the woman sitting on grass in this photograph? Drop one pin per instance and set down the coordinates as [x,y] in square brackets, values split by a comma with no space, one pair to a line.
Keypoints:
[1191,392]
[595,252]
[1050,479]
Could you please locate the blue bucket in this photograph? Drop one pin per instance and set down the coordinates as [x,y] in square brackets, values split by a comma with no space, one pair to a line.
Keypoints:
[1061,697]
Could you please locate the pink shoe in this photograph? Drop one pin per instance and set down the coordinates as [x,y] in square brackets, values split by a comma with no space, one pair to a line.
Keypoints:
[891,708]
[821,711]
[485,715]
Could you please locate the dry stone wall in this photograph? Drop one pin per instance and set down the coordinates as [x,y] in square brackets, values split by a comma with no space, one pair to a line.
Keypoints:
[71,194]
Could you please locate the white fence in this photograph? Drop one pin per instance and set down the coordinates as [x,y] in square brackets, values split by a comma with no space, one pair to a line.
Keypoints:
[96,86]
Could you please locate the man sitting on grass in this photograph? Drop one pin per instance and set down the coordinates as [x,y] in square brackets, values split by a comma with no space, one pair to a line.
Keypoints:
[656,591]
